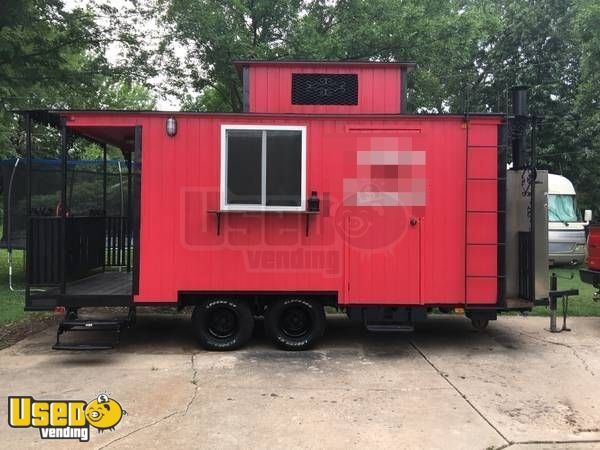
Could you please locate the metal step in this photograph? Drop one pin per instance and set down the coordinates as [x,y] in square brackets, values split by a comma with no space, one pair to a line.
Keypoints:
[91,325]
[390,327]
[75,347]
[103,326]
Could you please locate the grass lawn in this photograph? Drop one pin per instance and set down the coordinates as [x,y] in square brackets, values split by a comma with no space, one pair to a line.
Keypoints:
[580,305]
[12,303]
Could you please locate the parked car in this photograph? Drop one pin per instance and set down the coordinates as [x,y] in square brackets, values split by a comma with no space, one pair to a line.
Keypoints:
[591,273]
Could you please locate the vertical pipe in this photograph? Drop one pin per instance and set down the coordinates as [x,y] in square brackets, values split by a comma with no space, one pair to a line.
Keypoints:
[129,209]
[263,170]
[8,216]
[465,237]
[105,221]
[519,138]
[63,222]
[121,208]
[28,209]
[134,228]
[532,207]
[553,301]
[9,203]
[104,178]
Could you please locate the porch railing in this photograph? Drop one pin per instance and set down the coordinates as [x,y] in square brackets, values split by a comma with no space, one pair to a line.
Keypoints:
[45,251]
[118,242]
[90,243]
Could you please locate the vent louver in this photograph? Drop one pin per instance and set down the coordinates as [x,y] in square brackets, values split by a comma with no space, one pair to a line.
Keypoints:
[324,89]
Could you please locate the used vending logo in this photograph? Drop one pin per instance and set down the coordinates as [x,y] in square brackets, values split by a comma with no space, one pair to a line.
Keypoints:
[65,419]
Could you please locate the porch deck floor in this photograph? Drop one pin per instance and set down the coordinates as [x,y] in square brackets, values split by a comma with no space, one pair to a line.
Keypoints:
[105,283]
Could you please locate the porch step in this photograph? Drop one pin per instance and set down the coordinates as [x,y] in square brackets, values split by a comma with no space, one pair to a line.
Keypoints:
[90,325]
[104,326]
[390,327]
[74,347]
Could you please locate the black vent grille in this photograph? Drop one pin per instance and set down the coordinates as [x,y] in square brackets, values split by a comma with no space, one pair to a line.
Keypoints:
[324,89]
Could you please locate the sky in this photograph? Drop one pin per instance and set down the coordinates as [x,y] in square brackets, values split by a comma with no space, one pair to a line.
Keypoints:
[112,54]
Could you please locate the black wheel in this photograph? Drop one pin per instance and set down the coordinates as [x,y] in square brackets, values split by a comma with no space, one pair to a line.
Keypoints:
[295,324]
[480,324]
[71,314]
[223,324]
[131,316]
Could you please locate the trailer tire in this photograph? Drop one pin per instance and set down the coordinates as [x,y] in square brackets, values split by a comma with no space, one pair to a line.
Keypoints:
[479,323]
[223,325]
[295,324]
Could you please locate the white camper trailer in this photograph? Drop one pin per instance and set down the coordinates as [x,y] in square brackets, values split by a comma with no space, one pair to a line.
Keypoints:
[566,233]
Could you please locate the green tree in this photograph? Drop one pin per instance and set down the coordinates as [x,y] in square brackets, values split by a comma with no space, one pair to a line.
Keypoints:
[552,47]
[442,36]
[54,58]
[215,32]
[469,53]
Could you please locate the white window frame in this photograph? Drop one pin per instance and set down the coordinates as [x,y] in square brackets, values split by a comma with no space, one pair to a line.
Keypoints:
[235,207]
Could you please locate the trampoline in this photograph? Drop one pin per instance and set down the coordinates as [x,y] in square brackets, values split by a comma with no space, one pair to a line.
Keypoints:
[86,181]
[85,184]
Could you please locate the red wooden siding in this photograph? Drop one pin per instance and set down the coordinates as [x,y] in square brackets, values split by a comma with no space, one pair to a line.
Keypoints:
[270,89]
[482,205]
[368,254]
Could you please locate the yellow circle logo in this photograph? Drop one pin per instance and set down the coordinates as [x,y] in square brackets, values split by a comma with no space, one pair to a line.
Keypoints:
[104,413]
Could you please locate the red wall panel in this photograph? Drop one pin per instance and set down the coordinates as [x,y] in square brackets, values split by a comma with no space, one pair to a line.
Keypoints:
[481,290]
[270,89]
[482,163]
[482,260]
[482,228]
[482,195]
[482,133]
[482,205]
[367,254]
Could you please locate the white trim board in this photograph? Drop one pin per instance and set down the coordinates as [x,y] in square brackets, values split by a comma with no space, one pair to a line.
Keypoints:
[223,175]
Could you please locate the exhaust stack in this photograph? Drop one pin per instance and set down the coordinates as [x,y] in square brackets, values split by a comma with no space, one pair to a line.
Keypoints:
[519,126]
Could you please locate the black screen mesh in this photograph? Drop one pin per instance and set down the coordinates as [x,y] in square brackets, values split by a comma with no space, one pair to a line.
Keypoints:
[324,89]
[84,192]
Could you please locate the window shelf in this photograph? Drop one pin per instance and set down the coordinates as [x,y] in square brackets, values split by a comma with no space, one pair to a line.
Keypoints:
[219,212]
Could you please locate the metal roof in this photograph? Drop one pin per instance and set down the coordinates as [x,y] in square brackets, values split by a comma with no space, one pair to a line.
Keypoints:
[325,62]
[54,114]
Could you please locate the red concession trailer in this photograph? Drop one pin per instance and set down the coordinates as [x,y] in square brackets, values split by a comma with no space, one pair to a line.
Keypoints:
[323,192]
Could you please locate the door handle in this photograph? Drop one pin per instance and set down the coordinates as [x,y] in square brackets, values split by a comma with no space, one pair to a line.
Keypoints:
[414,221]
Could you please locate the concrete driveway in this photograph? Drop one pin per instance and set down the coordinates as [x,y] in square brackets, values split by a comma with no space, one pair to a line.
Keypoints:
[444,386]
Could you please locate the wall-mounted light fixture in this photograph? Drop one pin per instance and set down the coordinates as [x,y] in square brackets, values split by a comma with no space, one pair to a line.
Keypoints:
[171,126]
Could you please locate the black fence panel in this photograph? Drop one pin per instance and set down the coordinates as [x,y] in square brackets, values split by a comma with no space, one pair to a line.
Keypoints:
[45,251]
[92,243]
